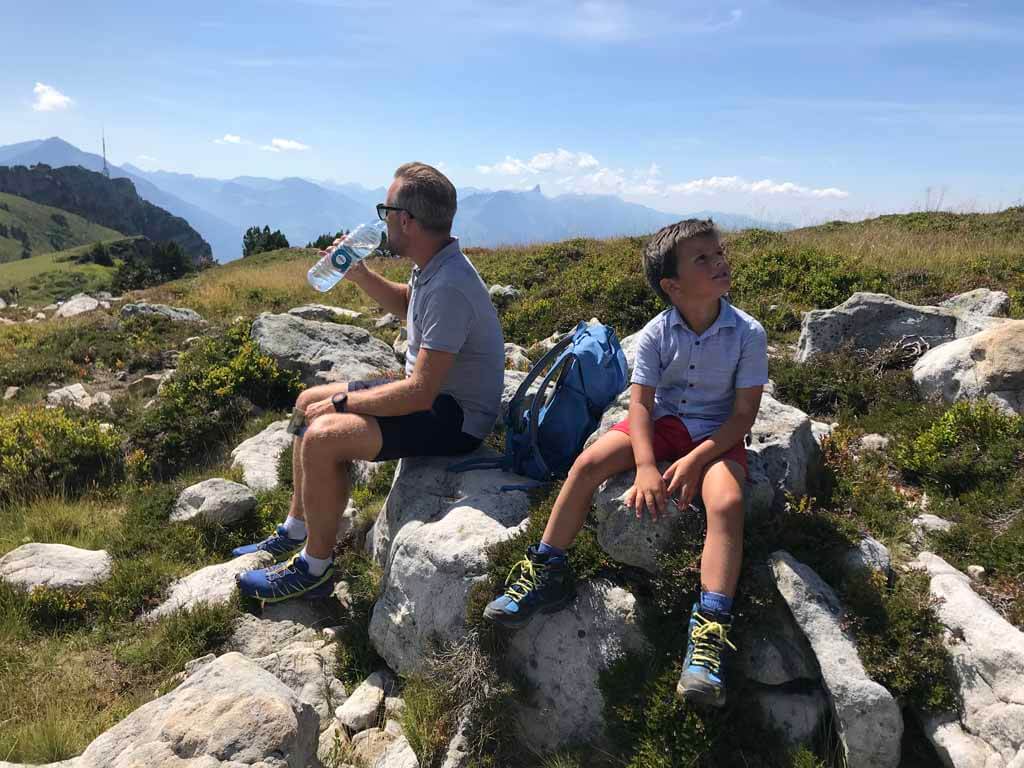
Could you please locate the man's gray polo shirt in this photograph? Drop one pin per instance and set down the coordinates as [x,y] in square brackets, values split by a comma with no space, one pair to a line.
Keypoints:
[450,311]
[696,377]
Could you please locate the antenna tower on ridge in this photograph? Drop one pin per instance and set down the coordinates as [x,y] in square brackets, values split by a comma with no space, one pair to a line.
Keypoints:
[106,170]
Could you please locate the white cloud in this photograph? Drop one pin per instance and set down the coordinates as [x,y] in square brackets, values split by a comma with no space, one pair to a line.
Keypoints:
[49,98]
[229,138]
[285,145]
[713,184]
[561,161]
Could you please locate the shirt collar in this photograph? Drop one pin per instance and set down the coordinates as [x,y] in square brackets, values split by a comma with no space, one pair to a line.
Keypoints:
[436,262]
[726,319]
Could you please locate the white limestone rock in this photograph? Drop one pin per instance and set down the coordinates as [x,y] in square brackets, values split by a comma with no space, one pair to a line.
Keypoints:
[258,456]
[174,314]
[981,301]
[212,585]
[362,709]
[215,500]
[55,566]
[323,312]
[77,305]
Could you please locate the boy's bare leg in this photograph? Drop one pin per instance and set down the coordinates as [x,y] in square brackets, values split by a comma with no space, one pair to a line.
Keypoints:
[720,563]
[611,454]
[305,398]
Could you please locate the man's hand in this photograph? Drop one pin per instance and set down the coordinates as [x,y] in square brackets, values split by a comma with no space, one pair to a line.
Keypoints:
[683,477]
[357,271]
[649,489]
[319,408]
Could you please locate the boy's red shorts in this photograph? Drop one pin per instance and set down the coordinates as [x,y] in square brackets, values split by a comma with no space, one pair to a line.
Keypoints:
[672,441]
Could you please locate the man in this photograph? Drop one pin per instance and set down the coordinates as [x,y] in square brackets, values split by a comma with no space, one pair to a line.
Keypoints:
[446,404]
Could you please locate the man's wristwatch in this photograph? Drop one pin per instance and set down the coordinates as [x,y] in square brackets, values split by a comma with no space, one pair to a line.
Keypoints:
[340,401]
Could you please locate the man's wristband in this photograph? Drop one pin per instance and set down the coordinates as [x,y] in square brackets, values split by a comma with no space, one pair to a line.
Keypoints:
[340,402]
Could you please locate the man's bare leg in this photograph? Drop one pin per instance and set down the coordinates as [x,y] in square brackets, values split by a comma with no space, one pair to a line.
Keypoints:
[306,398]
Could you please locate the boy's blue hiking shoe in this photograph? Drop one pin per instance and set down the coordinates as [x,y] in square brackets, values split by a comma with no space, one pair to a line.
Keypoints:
[278,544]
[285,580]
[536,583]
[707,654]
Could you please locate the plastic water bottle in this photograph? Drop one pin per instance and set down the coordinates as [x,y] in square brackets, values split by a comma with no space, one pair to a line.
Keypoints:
[341,256]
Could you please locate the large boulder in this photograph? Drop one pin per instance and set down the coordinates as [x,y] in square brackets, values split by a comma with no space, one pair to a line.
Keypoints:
[230,712]
[431,538]
[215,500]
[212,585]
[562,658]
[873,320]
[71,396]
[988,663]
[867,717]
[78,304]
[56,566]
[981,301]
[174,314]
[322,353]
[783,448]
[988,365]
[640,542]
[258,456]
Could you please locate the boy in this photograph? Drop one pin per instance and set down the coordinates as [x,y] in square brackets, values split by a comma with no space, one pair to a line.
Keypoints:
[695,392]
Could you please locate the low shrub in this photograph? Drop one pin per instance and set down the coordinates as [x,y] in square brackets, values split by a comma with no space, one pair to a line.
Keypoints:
[973,441]
[45,450]
[177,639]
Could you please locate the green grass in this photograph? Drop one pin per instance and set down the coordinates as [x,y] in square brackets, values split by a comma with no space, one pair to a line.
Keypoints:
[48,229]
[44,279]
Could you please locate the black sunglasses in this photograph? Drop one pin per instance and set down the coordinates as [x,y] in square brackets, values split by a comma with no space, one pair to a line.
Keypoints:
[383,209]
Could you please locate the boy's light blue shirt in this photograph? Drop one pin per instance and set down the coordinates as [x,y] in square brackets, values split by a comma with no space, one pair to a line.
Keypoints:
[696,377]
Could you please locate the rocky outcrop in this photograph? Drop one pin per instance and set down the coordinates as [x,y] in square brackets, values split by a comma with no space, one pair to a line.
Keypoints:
[503,294]
[431,538]
[212,585]
[75,396]
[988,663]
[562,657]
[867,717]
[323,312]
[981,301]
[873,320]
[322,352]
[55,566]
[174,314]
[988,365]
[215,500]
[782,448]
[516,358]
[258,456]
[77,305]
[229,712]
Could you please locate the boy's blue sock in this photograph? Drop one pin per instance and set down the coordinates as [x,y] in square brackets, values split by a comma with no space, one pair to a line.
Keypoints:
[551,552]
[715,601]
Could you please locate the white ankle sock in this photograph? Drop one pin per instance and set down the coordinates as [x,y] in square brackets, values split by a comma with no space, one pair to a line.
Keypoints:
[294,527]
[317,565]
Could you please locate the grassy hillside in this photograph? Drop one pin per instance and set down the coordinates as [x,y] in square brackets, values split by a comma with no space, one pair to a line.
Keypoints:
[45,229]
[71,481]
[40,280]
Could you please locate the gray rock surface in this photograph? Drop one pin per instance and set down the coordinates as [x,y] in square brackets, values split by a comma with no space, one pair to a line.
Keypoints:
[229,713]
[777,653]
[71,396]
[216,500]
[212,585]
[981,301]
[868,719]
[869,555]
[431,538]
[872,320]
[323,312]
[782,447]
[362,709]
[503,294]
[796,715]
[57,566]
[78,304]
[11,392]
[872,442]
[322,353]
[259,456]
[175,314]
[147,385]
[516,358]
[562,657]
[401,344]
[988,365]
[924,524]
[988,662]
[388,319]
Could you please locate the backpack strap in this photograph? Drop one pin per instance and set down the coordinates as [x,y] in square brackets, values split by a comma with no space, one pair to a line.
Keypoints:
[549,357]
[539,401]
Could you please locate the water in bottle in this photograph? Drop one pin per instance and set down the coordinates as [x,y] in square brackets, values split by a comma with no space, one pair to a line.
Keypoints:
[340,257]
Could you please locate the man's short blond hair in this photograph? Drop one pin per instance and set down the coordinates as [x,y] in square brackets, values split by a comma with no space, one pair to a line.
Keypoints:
[428,195]
[659,256]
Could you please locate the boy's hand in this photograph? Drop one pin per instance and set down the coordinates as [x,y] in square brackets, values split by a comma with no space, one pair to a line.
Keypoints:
[683,477]
[649,489]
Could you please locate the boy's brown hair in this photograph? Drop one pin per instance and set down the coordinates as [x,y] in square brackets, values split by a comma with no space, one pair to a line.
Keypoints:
[659,256]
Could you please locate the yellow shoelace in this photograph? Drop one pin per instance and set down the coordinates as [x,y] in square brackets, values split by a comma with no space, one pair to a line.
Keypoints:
[527,580]
[707,641]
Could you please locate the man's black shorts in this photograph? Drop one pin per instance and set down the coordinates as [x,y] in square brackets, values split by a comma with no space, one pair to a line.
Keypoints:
[437,432]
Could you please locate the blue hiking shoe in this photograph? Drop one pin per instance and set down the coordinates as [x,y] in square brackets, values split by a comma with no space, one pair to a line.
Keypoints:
[535,584]
[285,580]
[707,655]
[278,544]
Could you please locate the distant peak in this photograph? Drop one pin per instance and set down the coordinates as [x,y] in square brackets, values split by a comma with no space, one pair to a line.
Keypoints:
[535,190]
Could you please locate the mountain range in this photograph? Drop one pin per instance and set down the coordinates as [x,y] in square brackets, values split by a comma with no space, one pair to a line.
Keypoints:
[221,210]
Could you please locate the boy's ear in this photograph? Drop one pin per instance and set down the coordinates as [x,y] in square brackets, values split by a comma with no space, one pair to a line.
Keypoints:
[668,285]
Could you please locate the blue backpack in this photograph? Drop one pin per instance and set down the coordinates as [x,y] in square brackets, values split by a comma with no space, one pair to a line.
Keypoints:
[545,432]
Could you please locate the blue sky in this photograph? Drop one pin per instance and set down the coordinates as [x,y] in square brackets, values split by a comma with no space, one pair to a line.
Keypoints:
[787,110]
